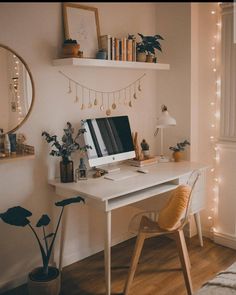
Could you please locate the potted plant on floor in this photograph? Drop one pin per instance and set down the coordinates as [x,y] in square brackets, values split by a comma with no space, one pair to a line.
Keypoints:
[178,148]
[147,47]
[44,280]
[65,149]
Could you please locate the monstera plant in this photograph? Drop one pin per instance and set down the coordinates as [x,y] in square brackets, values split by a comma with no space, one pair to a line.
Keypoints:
[49,276]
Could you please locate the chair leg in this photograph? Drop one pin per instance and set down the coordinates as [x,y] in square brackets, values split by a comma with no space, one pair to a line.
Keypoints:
[183,255]
[134,261]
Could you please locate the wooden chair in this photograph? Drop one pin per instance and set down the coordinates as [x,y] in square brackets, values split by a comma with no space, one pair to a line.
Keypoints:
[149,228]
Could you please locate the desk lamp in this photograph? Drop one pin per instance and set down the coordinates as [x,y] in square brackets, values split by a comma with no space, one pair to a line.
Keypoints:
[164,121]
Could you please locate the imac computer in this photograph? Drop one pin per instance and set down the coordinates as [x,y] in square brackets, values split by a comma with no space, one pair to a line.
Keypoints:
[110,139]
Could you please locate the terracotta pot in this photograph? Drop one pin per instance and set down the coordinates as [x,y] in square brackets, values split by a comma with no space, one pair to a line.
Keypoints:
[70,49]
[141,56]
[150,58]
[44,287]
[177,156]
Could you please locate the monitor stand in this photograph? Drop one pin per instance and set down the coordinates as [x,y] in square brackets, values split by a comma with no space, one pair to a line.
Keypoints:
[109,168]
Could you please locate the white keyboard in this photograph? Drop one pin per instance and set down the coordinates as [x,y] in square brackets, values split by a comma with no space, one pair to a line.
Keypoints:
[120,175]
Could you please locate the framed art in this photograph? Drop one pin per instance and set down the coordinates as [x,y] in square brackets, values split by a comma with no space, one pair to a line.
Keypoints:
[81,23]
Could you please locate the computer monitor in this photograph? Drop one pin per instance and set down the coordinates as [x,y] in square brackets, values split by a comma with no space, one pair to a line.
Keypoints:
[110,139]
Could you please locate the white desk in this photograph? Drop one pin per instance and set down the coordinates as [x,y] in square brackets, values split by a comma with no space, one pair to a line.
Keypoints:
[108,195]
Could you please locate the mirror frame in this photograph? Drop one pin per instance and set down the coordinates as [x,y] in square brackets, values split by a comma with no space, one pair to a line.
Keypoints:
[33,89]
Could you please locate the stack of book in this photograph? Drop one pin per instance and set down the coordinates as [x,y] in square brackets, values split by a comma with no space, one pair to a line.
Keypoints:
[145,162]
[118,48]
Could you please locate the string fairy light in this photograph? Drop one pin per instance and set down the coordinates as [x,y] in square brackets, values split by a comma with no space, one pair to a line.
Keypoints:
[131,89]
[214,124]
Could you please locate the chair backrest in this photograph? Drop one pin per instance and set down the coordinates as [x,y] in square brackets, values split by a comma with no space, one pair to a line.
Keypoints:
[175,213]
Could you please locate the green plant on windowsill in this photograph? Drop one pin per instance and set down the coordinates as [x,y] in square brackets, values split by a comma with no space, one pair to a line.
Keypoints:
[48,275]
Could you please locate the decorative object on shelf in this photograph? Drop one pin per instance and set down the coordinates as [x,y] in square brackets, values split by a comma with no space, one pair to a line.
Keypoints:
[145,149]
[177,149]
[114,97]
[17,82]
[7,145]
[164,121]
[101,54]
[82,24]
[12,138]
[65,149]
[45,279]
[82,170]
[70,48]
[147,46]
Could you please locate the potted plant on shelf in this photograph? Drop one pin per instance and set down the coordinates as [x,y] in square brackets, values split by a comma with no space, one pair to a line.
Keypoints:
[65,149]
[146,48]
[70,48]
[43,280]
[178,148]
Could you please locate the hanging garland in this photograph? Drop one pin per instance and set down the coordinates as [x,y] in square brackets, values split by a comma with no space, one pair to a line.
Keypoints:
[90,97]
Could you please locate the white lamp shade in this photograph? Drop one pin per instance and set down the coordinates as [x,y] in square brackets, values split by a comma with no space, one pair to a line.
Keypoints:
[165,120]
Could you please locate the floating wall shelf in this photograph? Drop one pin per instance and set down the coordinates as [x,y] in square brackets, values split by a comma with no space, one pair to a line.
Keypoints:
[17,157]
[83,62]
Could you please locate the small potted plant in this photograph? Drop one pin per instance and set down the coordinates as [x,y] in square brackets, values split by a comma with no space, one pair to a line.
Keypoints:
[146,48]
[70,48]
[43,280]
[65,149]
[145,149]
[178,148]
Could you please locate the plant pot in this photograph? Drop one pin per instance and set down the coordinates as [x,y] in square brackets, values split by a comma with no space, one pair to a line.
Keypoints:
[70,49]
[177,156]
[150,58]
[141,56]
[39,286]
[67,170]
[146,154]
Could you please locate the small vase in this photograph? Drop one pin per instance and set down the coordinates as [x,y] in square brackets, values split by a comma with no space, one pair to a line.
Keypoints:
[141,56]
[177,156]
[66,170]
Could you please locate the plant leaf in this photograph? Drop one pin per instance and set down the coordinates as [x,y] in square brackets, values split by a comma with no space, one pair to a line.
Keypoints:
[16,216]
[69,201]
[43,221]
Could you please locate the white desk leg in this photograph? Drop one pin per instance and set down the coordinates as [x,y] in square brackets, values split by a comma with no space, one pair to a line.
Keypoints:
[107,252]
[199,227]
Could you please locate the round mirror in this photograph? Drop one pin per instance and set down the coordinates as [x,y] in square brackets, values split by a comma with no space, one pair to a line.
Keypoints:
[16,90]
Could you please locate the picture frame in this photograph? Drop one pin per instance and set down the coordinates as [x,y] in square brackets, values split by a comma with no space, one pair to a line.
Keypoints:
[81,23]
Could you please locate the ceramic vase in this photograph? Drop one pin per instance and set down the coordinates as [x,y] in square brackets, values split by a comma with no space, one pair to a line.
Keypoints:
[177,156]
[66,170]
[141,56]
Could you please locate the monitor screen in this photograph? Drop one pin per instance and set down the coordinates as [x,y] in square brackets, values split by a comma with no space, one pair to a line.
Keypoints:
[110,139]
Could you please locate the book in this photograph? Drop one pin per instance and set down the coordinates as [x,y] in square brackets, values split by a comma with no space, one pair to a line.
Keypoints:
[117,49]
[124,49]
[113,57]
[129,50]
[145,162]
[134,50]
[105,43]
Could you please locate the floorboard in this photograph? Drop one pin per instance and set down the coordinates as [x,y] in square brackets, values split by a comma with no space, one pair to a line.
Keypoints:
[158,270]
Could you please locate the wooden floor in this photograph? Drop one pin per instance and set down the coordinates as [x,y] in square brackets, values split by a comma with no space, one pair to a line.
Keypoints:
[158,271]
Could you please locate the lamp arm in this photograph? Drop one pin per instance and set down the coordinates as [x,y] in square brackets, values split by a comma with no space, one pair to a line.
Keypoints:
[156,132]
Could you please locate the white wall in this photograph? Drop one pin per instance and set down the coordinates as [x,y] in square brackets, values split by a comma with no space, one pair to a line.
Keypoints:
[36,33]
